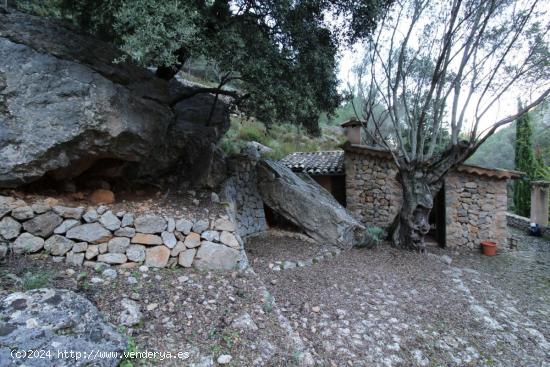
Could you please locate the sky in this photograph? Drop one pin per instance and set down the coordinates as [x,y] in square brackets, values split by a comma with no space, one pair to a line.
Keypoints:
[506,106]
[352,55]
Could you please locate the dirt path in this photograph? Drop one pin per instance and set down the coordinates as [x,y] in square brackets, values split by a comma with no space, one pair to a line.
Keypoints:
[384,307]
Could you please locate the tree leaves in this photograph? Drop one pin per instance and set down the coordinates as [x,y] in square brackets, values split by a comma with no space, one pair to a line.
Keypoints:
[282,51]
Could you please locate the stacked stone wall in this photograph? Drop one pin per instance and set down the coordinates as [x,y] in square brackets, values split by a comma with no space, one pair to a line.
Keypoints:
[476,210]
[87,236]
[246,207]
[523,224]
[373,194]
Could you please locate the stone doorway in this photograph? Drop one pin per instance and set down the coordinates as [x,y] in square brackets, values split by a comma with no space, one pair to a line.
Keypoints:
[437,220]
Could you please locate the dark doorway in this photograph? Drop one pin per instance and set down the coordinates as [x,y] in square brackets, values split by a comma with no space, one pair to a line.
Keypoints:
[438,219]
[336,185]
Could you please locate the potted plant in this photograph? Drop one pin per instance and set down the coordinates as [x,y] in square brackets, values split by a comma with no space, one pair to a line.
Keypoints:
[489,248]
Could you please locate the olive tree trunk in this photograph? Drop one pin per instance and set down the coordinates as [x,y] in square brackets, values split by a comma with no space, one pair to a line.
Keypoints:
[412,223]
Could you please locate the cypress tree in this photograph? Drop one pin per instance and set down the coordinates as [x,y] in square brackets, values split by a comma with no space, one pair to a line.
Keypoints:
[525,161]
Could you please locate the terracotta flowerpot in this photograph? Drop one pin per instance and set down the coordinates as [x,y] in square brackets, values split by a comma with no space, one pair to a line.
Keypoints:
[489,248]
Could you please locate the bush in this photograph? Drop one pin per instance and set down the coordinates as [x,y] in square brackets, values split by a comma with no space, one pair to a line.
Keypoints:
[376,234]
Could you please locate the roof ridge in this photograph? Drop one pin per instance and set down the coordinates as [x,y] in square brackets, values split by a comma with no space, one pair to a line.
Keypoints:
[323,162]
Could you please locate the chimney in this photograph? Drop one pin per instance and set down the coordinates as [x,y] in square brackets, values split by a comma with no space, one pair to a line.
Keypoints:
[352,128]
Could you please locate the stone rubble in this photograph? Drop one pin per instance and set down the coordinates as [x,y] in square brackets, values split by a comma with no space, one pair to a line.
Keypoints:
[131,315]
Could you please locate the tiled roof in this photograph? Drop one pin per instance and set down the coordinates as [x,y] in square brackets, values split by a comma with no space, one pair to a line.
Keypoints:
[329,163]
[489,172]
[316,163]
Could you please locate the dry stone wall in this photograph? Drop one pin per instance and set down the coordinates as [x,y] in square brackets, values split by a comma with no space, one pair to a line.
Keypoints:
[373,194]
[523,224]
[518,222]
[476,211]
[246,207]
[87,236]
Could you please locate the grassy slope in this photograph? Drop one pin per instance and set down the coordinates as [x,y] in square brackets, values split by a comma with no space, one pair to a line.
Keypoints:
[286,138]
[282,138]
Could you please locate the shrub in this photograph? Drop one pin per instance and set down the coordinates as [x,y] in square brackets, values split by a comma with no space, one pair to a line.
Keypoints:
[376,234]
[283,138]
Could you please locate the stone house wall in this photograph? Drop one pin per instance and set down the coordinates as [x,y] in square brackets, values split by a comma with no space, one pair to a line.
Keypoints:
[245,205]
[475,210]
[93,235]
[475,204]
[518,222]
[373,194]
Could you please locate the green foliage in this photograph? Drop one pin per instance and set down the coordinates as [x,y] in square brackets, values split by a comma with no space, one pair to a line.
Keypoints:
[157,31]
[269,303]
[230,338]
[131,347]
[376,234]
[542,171]
[525,161]
[282,138]
[498,151]
[343,113]
[282,54]
[45,8]
[38,280]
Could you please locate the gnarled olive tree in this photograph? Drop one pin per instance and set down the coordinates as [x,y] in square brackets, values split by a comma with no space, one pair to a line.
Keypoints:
[439,70]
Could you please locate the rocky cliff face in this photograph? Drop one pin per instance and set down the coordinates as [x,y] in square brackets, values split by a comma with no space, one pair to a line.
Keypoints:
[67,108]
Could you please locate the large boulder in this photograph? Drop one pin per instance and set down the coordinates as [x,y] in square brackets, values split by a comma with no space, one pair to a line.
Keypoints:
[67,109]
[49,320]
[309,206]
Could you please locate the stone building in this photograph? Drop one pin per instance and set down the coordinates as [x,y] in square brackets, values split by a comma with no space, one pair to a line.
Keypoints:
[470,208]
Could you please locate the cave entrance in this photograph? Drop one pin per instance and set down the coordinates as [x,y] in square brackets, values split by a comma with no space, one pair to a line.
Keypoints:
[437,234]
[84,175]
[276,221]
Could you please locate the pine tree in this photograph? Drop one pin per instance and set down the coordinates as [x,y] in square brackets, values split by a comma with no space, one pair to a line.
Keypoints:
[525,161]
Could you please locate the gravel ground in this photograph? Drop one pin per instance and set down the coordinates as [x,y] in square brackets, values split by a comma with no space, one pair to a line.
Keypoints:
[183,310]
[385,307]
[282,246]
[378,307]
